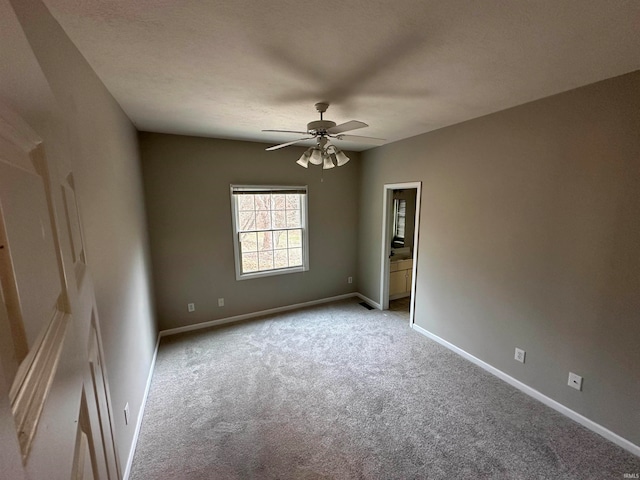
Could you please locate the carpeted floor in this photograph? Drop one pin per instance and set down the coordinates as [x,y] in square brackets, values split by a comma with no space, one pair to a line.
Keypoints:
[340,392]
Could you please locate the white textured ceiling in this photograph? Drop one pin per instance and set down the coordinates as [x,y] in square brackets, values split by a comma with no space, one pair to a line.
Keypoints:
[229,69]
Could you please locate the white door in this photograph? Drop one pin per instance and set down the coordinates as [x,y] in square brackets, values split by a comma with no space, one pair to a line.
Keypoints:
[53,405]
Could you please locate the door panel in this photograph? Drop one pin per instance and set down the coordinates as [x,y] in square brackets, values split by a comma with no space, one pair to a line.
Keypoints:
[397,282]
[74,226]
[34,296]
[44,375]
[85,463]
[103,404]
[84,467]
[31,245]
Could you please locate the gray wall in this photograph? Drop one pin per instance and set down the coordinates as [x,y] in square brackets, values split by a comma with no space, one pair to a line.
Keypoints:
[530,237]
[187,194]
[89,133]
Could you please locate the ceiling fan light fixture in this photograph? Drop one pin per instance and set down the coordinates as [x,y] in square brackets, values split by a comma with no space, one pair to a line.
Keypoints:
[341,158]
[316,156]
[327,163]
[324,152]
[303,161]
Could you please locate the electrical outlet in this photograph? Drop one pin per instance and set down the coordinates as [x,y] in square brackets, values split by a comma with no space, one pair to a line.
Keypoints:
[520,354]
[350,280]
[575,381]
[191,307]
[221,302]
[126,414]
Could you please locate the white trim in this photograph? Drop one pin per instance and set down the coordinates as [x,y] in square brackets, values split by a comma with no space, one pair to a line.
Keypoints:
[582,420]
[245,316]
[387,202]
[304,205]
[15,130]
[398,296]
[136,433]
[369,301]
[387,199]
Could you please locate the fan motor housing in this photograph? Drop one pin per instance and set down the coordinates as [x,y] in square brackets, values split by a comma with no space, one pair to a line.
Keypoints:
[320,126]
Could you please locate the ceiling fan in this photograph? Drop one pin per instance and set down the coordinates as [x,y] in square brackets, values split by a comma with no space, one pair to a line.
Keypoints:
[325,153]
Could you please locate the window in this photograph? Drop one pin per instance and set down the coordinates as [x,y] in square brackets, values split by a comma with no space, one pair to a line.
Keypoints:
[270,230]
[399,220]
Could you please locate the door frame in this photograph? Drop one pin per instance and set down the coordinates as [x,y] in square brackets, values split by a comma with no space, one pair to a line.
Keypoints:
[387,221]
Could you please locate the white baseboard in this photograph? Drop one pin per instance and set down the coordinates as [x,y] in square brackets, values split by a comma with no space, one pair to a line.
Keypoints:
[238,318]
[369,301]
[398,296]
[582,420]
[136,433]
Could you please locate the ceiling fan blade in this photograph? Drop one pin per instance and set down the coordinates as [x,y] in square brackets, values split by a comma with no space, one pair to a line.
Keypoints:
[347,126]
[286,131]
[361,139]
[276,147]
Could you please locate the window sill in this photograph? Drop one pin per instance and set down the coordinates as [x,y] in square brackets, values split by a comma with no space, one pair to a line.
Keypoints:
[271,273]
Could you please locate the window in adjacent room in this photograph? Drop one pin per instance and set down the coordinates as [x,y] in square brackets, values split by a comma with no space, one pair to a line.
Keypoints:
[399,221]
[270,230]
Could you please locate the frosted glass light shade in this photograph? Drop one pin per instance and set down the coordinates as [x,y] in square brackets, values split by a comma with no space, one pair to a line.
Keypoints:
[325,154]
[341,158]
[316,156]
[328,163]
[303,161]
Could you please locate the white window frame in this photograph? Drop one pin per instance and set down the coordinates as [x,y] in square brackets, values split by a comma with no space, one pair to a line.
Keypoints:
[304,227]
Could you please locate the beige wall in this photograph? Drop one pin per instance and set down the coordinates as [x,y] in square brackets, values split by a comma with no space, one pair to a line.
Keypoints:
[187,194]
[529,237]
[87,132]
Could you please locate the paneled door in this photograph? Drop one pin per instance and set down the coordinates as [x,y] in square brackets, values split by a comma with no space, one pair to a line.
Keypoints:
[55,386]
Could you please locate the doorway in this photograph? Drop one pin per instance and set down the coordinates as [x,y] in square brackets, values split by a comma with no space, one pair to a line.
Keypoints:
[399,252]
